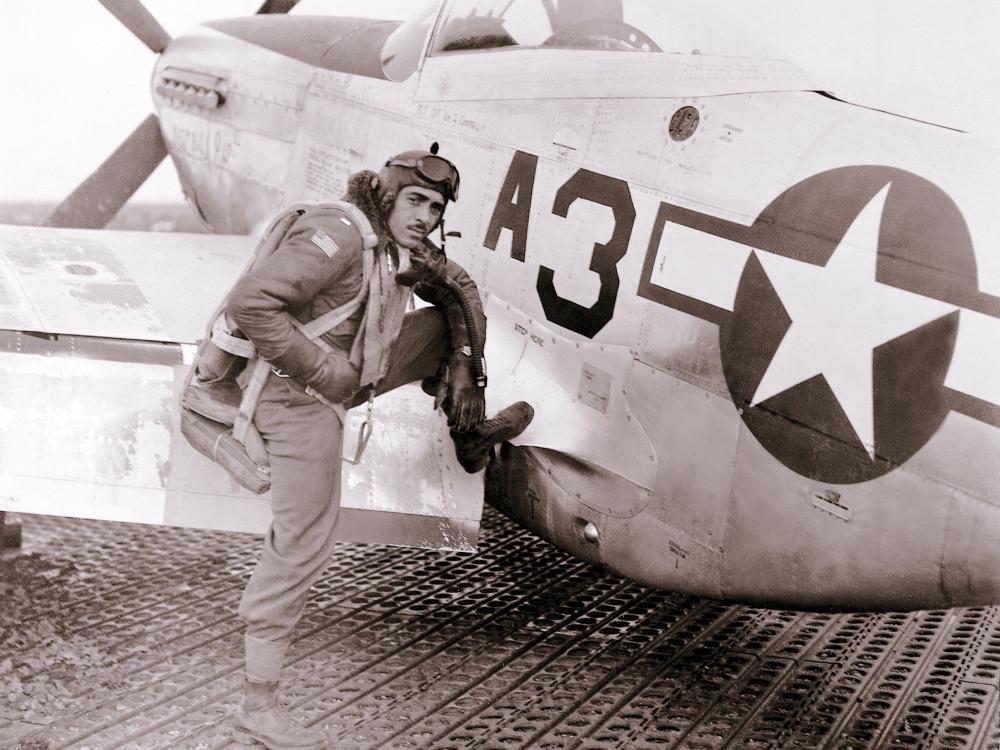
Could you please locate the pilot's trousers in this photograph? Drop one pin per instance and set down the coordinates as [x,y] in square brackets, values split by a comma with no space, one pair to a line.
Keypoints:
[303,438]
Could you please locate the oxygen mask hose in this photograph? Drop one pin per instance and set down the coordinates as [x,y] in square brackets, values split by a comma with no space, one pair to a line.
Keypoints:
[475,336]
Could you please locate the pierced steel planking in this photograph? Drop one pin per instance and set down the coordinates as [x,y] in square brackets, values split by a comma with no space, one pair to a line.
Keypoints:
[518,646]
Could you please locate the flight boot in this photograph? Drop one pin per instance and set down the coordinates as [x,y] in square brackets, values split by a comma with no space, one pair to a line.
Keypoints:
[473,448]
[261,719]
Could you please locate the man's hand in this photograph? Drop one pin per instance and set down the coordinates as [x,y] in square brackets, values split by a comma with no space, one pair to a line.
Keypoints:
[465,404]
[426,267]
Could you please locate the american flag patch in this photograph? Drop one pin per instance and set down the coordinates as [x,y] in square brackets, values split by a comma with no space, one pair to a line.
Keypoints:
[324,242]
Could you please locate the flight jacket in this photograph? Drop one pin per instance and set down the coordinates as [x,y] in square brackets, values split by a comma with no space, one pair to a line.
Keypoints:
[316,268]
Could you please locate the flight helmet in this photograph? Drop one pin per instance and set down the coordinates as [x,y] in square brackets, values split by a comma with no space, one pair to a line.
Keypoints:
[417,167]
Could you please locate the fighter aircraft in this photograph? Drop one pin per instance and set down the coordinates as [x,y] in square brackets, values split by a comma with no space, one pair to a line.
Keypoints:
[759,325]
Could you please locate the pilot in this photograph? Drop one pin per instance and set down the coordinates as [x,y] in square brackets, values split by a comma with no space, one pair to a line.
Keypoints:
[317,267]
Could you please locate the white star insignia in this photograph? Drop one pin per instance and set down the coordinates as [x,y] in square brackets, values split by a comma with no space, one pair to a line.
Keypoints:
[840,314]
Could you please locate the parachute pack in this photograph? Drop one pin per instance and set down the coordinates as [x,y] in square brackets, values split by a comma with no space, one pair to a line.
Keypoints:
[225,381]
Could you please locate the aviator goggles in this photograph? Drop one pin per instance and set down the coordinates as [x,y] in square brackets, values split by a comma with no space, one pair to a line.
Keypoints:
[434,169]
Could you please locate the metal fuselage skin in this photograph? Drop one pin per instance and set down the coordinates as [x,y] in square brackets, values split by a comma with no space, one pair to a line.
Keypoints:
[762,350]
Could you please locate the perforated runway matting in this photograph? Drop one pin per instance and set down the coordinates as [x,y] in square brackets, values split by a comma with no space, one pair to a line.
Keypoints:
[125,636]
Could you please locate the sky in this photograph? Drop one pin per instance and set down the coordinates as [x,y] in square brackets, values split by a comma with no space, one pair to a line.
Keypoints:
[77,82]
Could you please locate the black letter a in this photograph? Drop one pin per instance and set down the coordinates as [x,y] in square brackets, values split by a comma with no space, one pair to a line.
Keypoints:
[520,182]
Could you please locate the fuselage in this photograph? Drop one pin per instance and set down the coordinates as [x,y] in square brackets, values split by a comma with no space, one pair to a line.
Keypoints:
[759,326]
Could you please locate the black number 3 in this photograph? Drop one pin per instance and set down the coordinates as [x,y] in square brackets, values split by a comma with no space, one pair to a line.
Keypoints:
[615,194]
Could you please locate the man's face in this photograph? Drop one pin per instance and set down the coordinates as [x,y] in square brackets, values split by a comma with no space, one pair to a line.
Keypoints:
[415,213]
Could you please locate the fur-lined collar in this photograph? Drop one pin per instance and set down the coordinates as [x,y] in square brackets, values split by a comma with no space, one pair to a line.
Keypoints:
[360,193]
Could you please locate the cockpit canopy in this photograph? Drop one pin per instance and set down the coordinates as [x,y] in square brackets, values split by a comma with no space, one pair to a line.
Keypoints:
[394,50]
[637,26]
[590,25]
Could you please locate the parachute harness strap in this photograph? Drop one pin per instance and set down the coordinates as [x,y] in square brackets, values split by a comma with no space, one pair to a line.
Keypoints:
[366,430]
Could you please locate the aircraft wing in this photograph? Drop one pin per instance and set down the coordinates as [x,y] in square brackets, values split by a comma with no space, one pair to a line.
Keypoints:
[97,331]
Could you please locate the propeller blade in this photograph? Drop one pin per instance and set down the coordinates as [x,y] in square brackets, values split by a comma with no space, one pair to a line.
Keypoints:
[100,196]
[277,6]
[139,21]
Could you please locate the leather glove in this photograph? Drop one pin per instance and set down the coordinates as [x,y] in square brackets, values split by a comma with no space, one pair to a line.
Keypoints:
[332,376]
[465,402]
[426,267]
